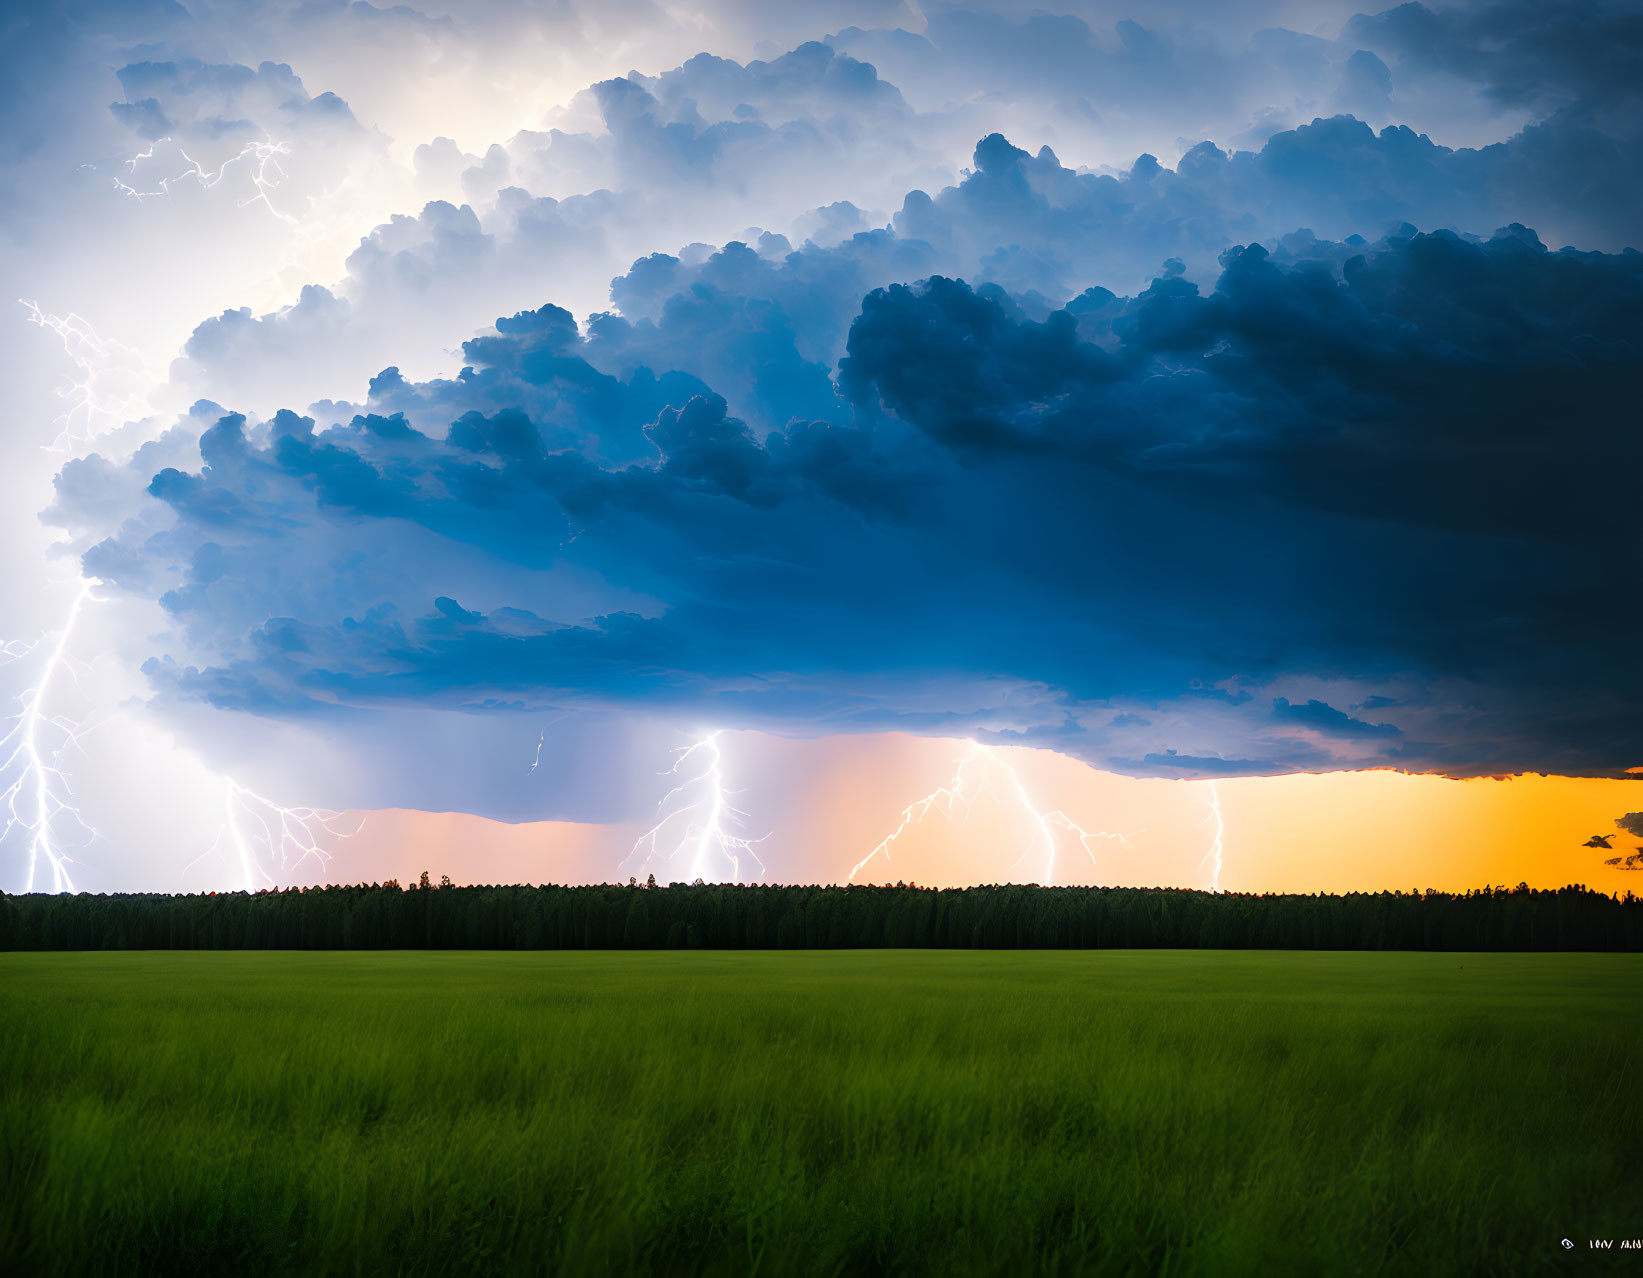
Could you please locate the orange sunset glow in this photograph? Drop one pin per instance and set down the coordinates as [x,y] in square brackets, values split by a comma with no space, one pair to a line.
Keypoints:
[1331,832]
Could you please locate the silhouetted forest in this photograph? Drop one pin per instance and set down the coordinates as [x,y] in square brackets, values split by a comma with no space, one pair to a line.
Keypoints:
[713,916]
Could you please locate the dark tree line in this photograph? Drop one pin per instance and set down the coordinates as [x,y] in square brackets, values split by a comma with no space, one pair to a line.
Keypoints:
[682,916]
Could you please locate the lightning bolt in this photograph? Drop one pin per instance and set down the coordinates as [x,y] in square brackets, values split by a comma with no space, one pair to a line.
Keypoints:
[263,167]
[265,840]
[1217,844]
[39,801]
[318,227]
[542,740]
[261,837]
[973,778]
[94,405]
[703,828]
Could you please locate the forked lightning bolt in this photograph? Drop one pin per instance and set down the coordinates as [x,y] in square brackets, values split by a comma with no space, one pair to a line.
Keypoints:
[39,801]
[97,400]
[973,778]
[265,841]
[264,168]
[697,824]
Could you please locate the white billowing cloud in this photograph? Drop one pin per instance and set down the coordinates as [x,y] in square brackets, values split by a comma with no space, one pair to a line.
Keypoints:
[556,215]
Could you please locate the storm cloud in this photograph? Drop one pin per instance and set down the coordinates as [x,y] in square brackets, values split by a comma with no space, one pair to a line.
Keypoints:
[1203,523]
[1183,390]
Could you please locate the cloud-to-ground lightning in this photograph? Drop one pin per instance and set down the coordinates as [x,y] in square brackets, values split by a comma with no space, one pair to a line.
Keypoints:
[260,837]
[266,841]
[110,386]
[1217,843]
[39,800]
[697,825]
[974,777]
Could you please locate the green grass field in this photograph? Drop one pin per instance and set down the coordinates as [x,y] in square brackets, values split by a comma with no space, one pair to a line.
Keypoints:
[916,1112]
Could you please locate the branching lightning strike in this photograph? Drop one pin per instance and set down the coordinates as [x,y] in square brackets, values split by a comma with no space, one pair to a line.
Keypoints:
[266,841]
[973,778]
[97,401]
[263,167]
[701,830]
[39,802]
[109,387]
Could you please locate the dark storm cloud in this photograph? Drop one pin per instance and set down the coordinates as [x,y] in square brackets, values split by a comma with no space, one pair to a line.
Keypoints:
[1106,480]
[1325,718]
[1400,409]
[1336,177]
[1451,71]
[1568,75]
[1415,383]
[1364,477]
[1586,55]
[764,327]
[1323,513]
[764,331]
[1170,763]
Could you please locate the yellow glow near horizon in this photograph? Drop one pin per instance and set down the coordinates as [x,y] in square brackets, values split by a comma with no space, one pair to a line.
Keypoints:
[1347,831]
[829,801]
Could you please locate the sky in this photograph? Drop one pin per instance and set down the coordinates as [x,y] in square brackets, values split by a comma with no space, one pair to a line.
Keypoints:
[1164,444]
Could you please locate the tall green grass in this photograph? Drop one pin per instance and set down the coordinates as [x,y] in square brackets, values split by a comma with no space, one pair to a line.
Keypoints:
[817,1113]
